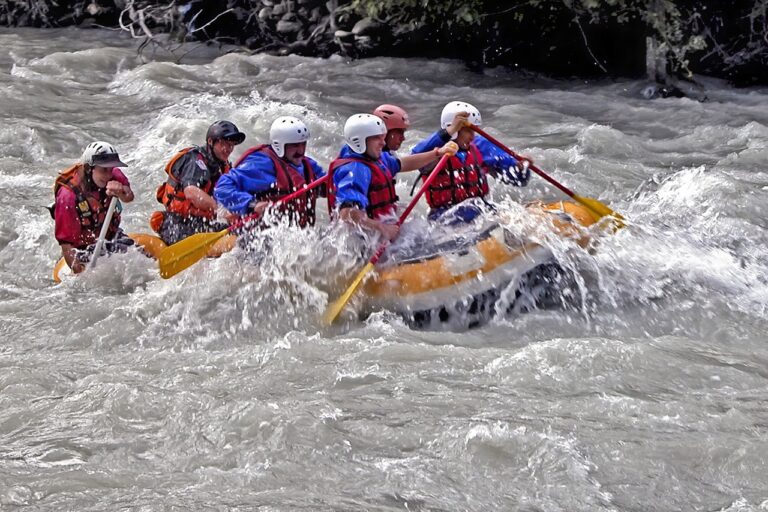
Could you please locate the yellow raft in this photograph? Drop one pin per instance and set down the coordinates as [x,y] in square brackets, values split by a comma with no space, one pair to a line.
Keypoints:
[150,245]
[465,279]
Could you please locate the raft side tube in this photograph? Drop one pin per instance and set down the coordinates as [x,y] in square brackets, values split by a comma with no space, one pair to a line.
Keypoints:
[493,260]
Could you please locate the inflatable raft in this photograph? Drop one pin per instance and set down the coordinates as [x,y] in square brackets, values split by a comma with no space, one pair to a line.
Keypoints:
[459,281]
[151,246]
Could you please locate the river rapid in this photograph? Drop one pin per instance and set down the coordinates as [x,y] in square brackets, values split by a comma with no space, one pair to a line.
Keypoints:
[220,389]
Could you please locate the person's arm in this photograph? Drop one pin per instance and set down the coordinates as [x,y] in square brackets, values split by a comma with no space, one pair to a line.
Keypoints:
[499,163]
[442,136]
[238,190]
[192,174]
[414,162]
[119,186]
[435,140]
[199,199]
[354,215]
[319,172]
[230,194]
[119,190]
[317,169]
[67,228]
[69,253]
[493,156]
[351,182]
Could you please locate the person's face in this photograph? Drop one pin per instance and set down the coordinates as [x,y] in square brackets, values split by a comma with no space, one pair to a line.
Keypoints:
[395,138]
[101,176]
[294,152]
[374,145]
[222,148]
[465,136]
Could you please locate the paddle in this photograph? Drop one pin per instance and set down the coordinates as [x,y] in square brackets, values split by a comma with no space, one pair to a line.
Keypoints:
[103,232]
[333,310]
[182,255]
[598,209]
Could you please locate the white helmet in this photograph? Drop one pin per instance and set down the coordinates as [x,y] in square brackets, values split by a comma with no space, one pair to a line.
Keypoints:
[102,154]
[361,126]
[455,107]
[287,130]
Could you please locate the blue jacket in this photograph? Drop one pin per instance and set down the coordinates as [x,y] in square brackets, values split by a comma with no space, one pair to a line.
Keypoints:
[493,157]
[351,180]
[254,175]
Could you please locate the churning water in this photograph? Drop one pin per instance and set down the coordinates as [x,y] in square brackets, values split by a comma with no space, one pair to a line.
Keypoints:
[220,389]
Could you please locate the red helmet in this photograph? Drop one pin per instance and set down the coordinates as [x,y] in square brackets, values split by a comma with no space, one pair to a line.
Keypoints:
[394,117]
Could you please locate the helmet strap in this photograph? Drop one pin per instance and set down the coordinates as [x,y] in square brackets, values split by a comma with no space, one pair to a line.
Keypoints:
[88,174]
[209,149]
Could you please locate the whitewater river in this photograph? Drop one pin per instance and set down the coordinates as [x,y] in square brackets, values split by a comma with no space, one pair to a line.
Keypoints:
[221,390]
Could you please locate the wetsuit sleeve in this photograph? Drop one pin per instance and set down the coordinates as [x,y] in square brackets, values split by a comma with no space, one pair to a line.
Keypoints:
[317,168]
[253,176]
[351,182]
[118,175]
[493,157]
[319,172]
[68,229]
[228,192]
[392,163]
[436,140]
[192,171]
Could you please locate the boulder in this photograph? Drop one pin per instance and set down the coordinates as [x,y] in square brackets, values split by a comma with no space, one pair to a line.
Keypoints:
[288,27]
[368,27]
[280,9]
[344,36]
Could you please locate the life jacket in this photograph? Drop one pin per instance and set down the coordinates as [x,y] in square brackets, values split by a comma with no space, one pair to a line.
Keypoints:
[91,209]
[302,209]
[458,181]
[171,193]
[382,197]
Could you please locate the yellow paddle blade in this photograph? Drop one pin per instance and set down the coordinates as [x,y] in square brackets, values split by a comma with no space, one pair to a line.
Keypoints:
[182,255]
[600,210]
[60,266]
[333,310]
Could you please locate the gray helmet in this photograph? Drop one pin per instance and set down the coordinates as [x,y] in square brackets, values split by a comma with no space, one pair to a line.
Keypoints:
[224,130]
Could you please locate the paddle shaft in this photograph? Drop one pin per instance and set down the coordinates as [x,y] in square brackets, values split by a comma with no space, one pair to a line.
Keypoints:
[535,169]
[290,197]
[103,232]
[598,209]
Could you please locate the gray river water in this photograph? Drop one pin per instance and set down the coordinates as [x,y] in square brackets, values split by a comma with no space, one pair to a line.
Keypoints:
[220,388]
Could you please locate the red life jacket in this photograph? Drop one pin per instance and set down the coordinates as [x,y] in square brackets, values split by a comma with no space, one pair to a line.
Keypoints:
[382,197]
[171,193]
[91,209]
[458,181]
[302,209]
